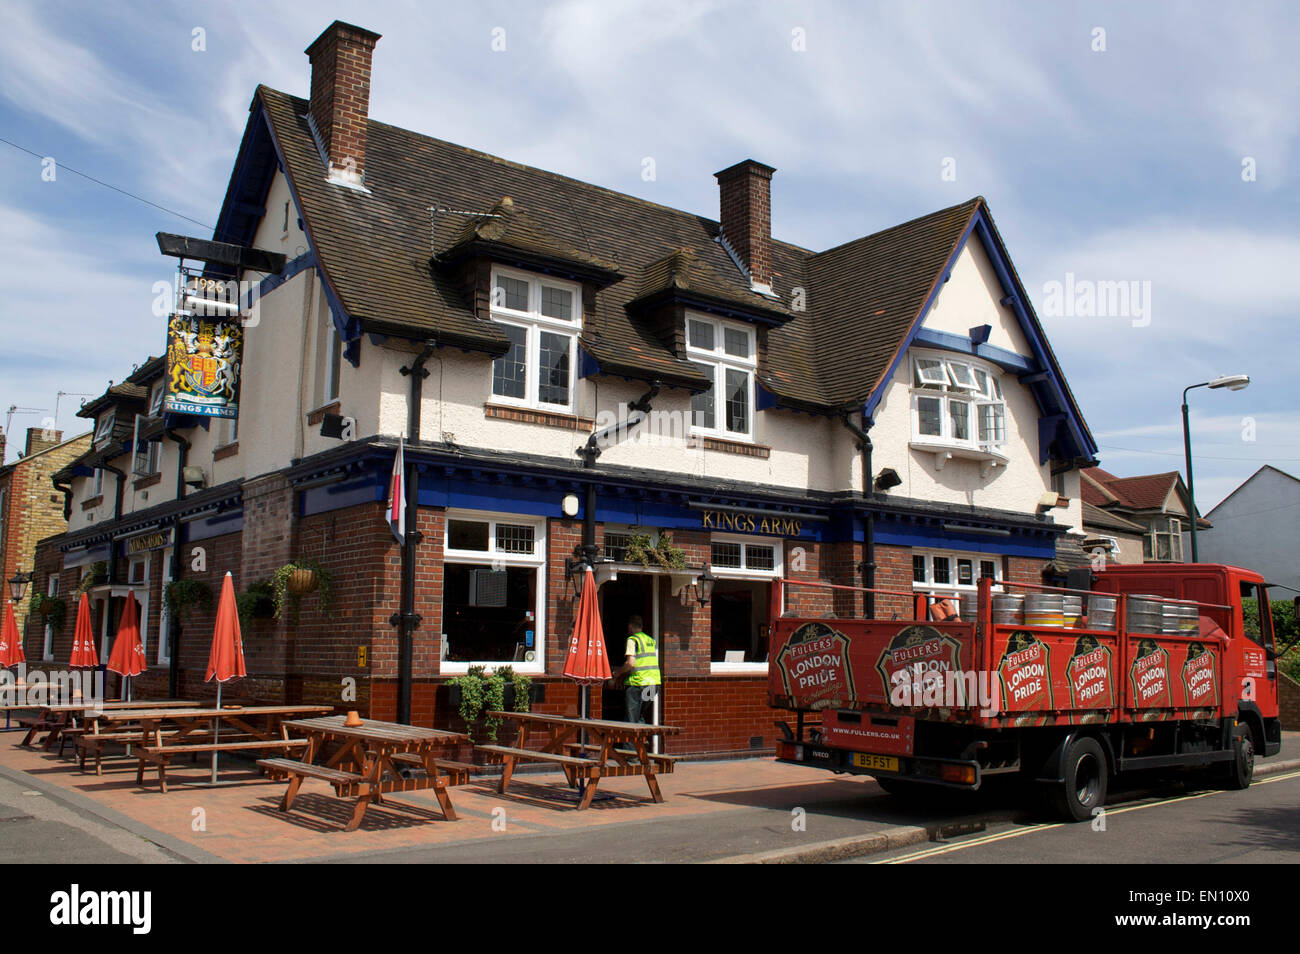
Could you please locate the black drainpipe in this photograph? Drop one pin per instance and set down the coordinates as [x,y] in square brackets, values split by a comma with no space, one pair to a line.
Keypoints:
[868,567]
[407,620]
[66,490]
[591,450]
[174,629]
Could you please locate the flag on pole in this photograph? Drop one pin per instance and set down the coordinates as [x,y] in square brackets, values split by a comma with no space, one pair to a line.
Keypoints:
[397,497]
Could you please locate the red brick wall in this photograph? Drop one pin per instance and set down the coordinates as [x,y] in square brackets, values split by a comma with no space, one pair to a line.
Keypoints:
[1288,697]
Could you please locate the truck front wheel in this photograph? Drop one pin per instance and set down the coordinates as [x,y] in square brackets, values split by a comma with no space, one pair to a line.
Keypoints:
[1241,770]
[1084,785]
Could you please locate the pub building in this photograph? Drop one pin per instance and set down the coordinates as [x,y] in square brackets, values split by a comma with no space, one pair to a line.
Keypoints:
[692,406]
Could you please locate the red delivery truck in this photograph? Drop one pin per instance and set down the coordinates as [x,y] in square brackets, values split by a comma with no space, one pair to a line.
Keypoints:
[1151,666]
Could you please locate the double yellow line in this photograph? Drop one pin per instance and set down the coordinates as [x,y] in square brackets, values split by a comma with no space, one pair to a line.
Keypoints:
[1033,829]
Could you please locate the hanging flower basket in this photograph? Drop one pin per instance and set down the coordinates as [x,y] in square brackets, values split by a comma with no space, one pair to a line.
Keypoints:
[302,581]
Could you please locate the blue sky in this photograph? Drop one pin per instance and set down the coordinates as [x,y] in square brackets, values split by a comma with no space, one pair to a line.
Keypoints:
[1123,163]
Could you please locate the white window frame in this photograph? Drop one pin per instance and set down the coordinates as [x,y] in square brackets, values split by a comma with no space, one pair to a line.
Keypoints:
[535,323]
[333,363]
[950,391]
[104,428]
[952,587]
[492,556]
[150,452]
[97,482]
[47,646]
[718,362]
[156,399]
[140,589]
[164,612]
[750,576]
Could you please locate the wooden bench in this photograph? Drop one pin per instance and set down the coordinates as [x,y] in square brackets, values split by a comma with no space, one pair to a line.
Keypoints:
[458,773]
[70,734]
[345,783]
[574,768]
[666,762]
[36,724]
[160,755]
[97,741]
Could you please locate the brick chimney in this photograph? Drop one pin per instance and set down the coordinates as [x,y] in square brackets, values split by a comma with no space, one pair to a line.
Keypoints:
[340,98]
[39,439]
[746,190]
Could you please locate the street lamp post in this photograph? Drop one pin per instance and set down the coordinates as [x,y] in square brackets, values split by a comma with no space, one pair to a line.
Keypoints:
[1233,382]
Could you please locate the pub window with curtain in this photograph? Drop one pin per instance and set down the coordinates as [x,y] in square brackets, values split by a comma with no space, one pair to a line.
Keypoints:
[492,591]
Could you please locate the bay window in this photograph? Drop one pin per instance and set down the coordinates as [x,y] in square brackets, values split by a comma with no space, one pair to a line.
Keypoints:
[957,404]
[541,318]
[726,353]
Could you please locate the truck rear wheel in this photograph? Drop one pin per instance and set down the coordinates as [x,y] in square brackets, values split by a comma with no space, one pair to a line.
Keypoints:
[1241,770]
[1084,785]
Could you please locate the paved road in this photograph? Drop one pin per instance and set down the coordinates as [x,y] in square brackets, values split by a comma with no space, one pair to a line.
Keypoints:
[1258,826]
[38,828]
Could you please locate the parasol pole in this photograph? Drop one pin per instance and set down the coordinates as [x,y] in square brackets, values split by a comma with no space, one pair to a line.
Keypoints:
[216,732]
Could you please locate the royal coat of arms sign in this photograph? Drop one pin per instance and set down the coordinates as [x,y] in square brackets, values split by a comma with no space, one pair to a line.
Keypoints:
[203,365]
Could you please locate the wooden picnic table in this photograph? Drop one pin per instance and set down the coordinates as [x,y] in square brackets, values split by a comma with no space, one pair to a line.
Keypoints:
[590,761]
[366,764]
[163,733]
[60,720]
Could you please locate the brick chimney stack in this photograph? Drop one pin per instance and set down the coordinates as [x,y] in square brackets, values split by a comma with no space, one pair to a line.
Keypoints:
[746,216]
[39,439]
[340,98]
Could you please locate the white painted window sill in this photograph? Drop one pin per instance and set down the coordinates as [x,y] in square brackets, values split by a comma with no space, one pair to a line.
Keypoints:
[944,452]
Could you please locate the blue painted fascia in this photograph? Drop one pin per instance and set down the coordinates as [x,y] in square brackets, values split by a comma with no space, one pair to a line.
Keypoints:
[257,135]
[587,363]
[947,341]
[1051,394]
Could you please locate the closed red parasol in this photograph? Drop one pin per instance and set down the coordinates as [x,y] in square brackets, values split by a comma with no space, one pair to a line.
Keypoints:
[226,660]
[126,658]
[84,654]
[11,646]
[586,662]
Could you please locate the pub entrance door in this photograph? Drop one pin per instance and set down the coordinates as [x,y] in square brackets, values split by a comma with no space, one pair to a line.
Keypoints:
[630,594]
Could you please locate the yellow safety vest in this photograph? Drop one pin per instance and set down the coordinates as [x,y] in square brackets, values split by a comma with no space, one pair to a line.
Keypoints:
[645,671]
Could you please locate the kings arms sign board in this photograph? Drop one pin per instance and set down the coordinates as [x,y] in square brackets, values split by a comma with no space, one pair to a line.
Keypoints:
[204,357]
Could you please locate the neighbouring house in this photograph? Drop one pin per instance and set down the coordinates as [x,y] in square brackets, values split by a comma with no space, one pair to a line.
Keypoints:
[1157,503]
[31,509]
[1258,526]
[569,368]
[1111,538]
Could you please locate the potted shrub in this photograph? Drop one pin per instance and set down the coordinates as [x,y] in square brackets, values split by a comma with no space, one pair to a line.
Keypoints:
[184,595]
[256,602]
[660,551]
[479,691]
[296,579]
[95,576]
[50,607]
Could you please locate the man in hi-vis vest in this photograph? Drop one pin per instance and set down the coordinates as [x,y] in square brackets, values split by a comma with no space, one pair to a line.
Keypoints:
[641,667]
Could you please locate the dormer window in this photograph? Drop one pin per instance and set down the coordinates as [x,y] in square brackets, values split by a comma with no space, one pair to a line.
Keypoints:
[957,406]
[104,429]
[726,353]
[542,318]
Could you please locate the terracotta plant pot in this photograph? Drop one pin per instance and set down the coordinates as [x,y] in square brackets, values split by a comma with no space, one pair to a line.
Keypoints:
[302,582]
[353,719]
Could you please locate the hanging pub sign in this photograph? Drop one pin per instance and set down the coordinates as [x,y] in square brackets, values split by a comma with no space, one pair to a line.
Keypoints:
[203,365]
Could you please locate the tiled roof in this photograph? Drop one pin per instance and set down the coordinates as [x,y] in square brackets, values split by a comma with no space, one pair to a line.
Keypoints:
[1104,520]
[377,250]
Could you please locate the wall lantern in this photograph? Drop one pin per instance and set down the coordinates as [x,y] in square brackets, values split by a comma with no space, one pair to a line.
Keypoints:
[569,505]
[888,478]
[18,585]
[703,587]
